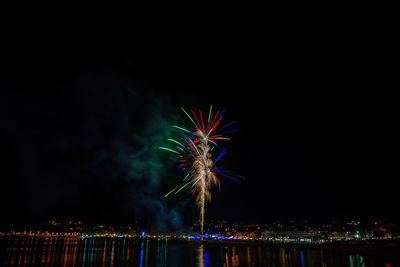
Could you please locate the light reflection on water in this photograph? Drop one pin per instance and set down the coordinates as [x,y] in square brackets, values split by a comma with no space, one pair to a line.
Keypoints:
[144,253]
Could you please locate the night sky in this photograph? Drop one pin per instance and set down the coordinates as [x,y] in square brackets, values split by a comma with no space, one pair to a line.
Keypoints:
[85,102]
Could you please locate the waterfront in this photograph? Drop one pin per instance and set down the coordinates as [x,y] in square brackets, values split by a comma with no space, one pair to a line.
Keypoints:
[33,251]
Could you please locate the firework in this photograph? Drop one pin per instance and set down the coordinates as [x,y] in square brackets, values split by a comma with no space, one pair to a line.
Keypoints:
[195,159]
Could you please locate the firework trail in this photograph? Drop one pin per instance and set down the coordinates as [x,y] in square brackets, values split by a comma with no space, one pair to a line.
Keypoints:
[195,159]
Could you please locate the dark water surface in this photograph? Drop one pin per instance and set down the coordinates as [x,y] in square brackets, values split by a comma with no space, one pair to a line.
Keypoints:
[35,251]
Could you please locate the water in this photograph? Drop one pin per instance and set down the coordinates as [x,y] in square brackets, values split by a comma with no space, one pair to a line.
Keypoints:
[128,252]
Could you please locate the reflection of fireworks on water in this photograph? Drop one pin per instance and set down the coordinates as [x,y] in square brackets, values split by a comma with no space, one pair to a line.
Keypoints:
[194,154]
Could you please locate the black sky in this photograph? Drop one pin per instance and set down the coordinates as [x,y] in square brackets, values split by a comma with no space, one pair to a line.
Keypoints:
[317,124]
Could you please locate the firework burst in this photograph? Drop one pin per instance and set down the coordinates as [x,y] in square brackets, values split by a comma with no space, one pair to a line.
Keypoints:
[195,158]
